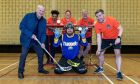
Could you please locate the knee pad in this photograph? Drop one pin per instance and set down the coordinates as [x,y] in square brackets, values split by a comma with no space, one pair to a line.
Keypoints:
[58,71]
[82,70]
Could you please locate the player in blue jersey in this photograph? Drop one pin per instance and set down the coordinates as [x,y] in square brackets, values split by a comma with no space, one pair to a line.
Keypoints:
[70,44]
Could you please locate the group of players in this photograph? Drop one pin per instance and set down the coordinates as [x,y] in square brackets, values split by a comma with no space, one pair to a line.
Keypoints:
[34,27]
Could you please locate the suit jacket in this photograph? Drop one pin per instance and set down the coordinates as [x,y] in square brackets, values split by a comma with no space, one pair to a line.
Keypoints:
[28,26]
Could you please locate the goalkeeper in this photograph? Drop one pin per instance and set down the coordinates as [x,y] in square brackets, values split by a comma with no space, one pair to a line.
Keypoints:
[70,44]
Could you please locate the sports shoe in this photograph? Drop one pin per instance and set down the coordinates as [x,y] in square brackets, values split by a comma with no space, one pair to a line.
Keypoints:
[99,70]
[119,76]
[43,71]
[20,75]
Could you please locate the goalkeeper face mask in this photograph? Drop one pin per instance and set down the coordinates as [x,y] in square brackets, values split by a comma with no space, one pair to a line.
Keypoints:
[69,29]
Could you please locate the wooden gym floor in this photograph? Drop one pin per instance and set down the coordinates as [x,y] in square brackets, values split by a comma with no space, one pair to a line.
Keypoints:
[9,66]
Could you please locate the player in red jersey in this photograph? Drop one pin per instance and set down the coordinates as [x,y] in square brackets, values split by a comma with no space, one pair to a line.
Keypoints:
[53,20]
[86,21]
[68,18]
[109,31]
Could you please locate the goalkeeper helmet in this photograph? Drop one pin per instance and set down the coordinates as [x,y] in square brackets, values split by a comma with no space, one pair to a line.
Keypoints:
[69,25]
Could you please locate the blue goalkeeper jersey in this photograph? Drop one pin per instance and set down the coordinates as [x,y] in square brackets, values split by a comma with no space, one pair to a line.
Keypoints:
[70,45]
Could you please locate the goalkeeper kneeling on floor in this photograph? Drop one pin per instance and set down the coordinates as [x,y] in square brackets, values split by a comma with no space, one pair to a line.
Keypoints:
[70,45]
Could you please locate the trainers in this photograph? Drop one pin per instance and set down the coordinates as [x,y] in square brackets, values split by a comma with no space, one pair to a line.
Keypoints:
[20,75]
[119,76]
[43,71]
[99,70]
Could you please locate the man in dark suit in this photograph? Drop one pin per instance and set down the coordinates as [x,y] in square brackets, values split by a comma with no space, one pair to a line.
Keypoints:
[32,27]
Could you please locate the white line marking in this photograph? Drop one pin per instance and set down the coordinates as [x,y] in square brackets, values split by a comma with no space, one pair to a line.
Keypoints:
[9,66]
[8,60]
[106,77]
[26,64]
[123,74]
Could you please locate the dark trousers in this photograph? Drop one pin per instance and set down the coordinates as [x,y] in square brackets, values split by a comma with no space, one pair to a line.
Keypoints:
[49,46]
[24,54]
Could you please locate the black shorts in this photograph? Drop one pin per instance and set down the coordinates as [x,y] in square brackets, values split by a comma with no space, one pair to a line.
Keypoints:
[107,42]
[89,39]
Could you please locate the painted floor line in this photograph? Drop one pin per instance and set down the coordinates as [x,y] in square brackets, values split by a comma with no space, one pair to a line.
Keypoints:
[106,77]
[123,74]
[9,66]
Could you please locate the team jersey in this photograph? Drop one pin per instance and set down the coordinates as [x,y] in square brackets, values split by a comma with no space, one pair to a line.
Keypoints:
[64,22]
[108,29]
[70,46]
[86,22]
[50,21]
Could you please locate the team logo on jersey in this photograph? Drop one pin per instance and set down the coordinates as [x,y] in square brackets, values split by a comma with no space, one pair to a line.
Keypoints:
[108,26]
[70,44]
[70,48]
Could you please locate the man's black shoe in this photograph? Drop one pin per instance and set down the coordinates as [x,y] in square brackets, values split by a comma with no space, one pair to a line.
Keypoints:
[20,75]
[43,71]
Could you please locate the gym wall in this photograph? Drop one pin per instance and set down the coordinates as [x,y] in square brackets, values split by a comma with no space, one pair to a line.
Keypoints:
[127,12]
